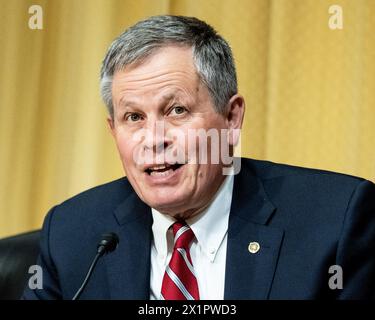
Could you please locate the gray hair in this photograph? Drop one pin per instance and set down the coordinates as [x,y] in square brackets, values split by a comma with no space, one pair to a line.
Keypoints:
[212,55]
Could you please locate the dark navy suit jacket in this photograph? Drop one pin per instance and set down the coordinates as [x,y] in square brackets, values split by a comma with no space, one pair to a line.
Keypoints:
[304,220]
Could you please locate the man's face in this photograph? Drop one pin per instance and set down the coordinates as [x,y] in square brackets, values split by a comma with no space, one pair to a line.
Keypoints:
[155,104]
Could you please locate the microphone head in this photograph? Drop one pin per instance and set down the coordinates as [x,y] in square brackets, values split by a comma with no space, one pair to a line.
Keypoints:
[108,242]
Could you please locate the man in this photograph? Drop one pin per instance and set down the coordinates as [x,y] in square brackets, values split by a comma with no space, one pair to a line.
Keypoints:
[187,229]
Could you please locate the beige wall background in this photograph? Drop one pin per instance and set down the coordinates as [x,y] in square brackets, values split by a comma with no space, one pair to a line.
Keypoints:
[310,90]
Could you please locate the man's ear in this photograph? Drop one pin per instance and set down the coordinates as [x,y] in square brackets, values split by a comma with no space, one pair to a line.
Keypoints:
[111,125]
[234,117]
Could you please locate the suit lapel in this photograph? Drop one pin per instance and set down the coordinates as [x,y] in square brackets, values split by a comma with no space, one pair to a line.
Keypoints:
[249,275]
[128,268]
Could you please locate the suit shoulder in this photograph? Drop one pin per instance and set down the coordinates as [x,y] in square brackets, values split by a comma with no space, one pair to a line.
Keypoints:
[267,170]
[110,190]
[102,198]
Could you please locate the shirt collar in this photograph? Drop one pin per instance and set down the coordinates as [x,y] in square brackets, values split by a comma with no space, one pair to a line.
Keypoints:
[214,218]
[160,227]
[211,226]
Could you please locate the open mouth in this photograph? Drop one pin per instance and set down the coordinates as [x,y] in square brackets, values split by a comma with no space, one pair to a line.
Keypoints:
[163,169]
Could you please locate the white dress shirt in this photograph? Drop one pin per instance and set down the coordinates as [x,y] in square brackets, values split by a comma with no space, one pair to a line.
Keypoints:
[208,250]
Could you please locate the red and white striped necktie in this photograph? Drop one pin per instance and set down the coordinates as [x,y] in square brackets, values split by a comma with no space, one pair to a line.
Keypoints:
[179,281]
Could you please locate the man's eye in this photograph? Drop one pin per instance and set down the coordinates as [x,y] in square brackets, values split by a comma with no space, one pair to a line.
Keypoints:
[178,110]
[133,117]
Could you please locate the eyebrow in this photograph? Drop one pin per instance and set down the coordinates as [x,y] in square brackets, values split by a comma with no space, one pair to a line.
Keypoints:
[127,103]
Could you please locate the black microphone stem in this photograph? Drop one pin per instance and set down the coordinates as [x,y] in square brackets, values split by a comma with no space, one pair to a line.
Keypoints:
[88,275]
[108,243]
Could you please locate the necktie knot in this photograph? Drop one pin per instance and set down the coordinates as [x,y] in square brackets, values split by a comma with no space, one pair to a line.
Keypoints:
[183,235]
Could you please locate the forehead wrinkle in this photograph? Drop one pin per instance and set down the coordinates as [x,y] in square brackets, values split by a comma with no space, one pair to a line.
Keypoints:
[149,83]
[177,93]
[172,86]
[146,79]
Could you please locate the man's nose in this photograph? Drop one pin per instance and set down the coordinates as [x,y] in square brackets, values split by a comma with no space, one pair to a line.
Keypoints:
[156,138]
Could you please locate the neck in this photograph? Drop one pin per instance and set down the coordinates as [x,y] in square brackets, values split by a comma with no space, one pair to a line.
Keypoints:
[191,212]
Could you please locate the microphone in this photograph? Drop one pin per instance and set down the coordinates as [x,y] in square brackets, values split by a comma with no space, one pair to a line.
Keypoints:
[107,243]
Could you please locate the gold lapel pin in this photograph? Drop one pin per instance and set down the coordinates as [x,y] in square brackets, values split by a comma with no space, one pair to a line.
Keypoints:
[253,247]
